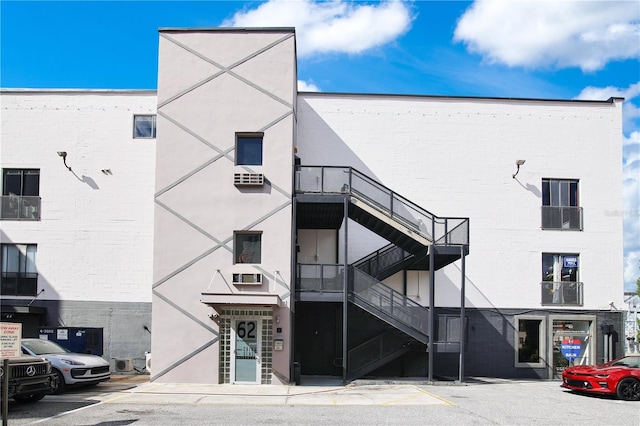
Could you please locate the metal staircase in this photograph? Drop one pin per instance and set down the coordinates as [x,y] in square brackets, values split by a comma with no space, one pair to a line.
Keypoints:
[388,260]
[376,352]
[322,192]
[379,209]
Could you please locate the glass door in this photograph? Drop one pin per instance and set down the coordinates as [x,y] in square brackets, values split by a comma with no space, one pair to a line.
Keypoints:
[571,344]
[245,356]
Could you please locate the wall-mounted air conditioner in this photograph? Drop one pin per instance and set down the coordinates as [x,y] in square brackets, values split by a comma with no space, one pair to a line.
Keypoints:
[124,365]
[248,179]
[251,279]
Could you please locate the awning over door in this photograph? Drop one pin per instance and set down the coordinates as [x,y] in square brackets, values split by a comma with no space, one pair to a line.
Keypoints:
[241,299]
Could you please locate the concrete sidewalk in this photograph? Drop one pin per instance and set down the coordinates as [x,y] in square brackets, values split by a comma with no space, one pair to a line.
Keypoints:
[139,390]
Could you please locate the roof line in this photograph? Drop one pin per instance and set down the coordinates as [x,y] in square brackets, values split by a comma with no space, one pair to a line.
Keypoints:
[229,29]
[497,98]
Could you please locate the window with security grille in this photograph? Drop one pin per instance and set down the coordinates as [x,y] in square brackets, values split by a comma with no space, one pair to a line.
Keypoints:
[560,205]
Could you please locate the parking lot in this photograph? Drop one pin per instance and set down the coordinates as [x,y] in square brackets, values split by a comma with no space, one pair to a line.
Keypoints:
[133,400]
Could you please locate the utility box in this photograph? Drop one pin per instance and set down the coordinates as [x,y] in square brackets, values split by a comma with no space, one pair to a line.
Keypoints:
[85,340]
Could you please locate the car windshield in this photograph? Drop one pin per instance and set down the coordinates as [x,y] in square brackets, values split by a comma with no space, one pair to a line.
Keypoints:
[628,361]
[43,347]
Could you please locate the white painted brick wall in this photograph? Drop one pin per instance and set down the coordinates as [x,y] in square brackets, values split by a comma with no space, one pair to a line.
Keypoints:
[456,157]
[95,239]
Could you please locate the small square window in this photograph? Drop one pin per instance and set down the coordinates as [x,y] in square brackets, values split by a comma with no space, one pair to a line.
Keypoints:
[247,247]
[144,126]
[249,150]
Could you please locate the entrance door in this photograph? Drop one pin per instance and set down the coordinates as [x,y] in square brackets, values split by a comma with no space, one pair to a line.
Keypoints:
[571,344]
[245,354]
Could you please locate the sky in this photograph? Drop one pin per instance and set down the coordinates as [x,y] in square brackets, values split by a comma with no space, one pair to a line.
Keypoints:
[559,49]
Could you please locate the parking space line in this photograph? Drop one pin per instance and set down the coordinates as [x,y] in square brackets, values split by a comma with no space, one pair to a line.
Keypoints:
[446,401]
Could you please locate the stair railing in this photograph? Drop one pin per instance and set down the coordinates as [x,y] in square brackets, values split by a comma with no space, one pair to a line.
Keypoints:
[347,180]
[388,302]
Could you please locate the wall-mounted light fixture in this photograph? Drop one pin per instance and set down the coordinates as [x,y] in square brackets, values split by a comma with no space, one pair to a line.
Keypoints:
[63,154]
[518,164]
[106,171]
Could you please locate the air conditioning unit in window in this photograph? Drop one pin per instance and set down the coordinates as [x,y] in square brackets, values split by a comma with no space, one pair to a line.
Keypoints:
[124,365]
[248,179]
[253,279]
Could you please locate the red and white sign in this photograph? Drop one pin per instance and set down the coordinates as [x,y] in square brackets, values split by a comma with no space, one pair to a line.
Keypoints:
[10,335]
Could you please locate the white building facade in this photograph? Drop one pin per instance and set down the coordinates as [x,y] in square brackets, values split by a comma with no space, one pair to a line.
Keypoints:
[322,234]
[77,231]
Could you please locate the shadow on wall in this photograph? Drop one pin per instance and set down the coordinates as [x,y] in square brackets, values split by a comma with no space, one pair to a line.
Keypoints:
[333,151]
[125,325]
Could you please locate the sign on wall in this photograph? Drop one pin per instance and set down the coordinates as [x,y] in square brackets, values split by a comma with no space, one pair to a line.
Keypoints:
[571,348]
[10,335]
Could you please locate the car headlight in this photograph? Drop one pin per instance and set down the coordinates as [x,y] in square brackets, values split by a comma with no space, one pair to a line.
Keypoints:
[70,361]
[601,376]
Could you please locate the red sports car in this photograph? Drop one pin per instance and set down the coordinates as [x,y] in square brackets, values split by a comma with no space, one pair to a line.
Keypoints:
[619,377]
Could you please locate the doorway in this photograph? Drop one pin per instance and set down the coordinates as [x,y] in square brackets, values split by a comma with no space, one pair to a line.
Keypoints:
[572,343]
[245,351]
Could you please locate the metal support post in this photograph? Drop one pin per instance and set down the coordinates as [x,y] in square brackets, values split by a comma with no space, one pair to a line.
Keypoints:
[463,328]
[345,301]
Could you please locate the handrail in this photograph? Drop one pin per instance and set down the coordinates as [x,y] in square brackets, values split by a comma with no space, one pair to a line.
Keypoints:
[391,302]
[348,180]
[379,260]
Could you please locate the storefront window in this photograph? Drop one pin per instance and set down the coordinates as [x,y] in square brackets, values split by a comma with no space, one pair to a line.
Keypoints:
[530,344]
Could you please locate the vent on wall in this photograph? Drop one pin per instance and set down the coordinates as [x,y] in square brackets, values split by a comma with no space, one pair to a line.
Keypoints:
[253,279]
[124,365]
[248,179]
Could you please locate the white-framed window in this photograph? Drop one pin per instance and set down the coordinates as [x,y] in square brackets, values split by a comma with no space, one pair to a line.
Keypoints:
[247,247]
[249,149]
[530,342]
[144,126]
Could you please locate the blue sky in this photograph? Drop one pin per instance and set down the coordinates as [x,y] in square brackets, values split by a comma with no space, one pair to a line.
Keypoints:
[562,49]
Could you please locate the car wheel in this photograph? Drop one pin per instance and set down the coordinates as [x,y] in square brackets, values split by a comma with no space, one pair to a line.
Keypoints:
[629,389]
[29,398]
[60,384]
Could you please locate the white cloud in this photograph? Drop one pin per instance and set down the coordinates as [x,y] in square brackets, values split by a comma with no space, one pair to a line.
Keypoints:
[632,270]
[586,34]
[304,86]
[331,26]
[630,111]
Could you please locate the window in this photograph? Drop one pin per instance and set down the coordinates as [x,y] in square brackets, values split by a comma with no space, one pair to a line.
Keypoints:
[19,276]
[21,194]
[144,126]
[560,280]
[247,247]
[560,205]
[249,150]
[529,342]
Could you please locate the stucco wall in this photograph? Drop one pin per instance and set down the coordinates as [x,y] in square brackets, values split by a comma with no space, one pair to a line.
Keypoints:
[201,107]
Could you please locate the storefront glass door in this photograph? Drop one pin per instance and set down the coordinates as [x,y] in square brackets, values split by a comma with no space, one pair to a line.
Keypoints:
[246,352]
[572,344]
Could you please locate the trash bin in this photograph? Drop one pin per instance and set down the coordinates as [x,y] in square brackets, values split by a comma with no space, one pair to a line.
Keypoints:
[296,373]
